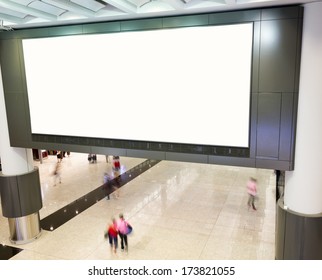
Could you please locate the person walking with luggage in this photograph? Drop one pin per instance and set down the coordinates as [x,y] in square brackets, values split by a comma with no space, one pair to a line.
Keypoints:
[123,229]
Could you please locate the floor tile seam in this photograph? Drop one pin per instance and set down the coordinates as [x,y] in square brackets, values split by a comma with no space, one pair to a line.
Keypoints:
[33,251]
[209,235]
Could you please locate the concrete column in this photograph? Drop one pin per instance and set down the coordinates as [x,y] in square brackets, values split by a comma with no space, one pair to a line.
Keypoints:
[303,186]
[299,215]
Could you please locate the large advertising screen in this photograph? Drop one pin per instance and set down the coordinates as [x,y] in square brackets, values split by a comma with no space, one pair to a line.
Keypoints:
[181,85]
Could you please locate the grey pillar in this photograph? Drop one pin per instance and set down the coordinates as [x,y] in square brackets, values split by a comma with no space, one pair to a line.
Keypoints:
[298,236]
[21,202]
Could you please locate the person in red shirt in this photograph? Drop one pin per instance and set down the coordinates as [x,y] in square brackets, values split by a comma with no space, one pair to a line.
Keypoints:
[112,235]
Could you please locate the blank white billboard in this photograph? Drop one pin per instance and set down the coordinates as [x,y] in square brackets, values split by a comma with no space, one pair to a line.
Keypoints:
[182,85]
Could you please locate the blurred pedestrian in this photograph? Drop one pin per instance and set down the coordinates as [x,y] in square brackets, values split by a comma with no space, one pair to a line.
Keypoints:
[116,163]
[107,185]
[252,192]
[112,235]
[106,178]
[59,156]
[124,229]
[56,173]
[278,175]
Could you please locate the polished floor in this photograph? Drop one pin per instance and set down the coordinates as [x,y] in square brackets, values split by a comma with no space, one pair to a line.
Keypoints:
[178,211]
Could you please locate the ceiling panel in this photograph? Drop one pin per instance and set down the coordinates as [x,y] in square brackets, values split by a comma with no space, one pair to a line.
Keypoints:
[22,2]
[61,12]
[91,5]
[12,12]
[42,6]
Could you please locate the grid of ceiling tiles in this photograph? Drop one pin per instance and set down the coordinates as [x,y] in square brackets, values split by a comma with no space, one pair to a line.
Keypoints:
[20,13]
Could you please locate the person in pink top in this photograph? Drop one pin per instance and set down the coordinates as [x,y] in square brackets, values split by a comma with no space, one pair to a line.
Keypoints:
[122,227]
[252,192]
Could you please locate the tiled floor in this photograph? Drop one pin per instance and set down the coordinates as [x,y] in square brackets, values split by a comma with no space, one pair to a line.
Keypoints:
[178,211]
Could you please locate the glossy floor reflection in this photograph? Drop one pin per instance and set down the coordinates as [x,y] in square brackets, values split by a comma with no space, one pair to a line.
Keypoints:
[7,252]
[113,184]
[178,211]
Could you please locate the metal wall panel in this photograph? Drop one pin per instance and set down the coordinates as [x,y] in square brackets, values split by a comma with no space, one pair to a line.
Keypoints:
[256,56]
[268,125]
[9,192]
[312,238]
[293,235]
[279,232]
[298,236]
[286,126]
[10,65]
[281,13]
[20,195]
[235,17]
[19,130]
[272,164]
[194,20]
[63,31]
[143,24]
[187,157]
[146,154]
[278,55]
[106,27]
[232,161]
[29,192]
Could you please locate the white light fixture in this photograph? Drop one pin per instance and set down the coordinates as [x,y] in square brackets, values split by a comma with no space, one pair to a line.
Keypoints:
[70,6]
[122,5]
[154,6]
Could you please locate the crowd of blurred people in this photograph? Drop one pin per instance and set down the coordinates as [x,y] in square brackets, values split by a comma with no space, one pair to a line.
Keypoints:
[118,228]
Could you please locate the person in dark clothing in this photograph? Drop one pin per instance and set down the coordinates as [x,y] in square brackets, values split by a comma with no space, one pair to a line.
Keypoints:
[278,175]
